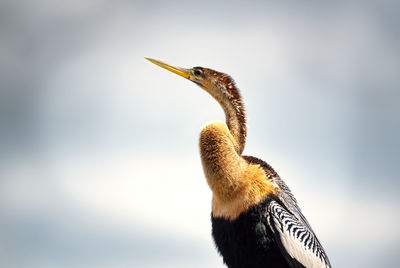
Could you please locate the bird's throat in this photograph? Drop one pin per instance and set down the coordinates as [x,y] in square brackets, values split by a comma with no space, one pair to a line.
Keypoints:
[235,183]
[222,164]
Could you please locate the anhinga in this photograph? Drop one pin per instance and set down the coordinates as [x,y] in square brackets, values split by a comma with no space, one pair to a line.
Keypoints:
[256,221]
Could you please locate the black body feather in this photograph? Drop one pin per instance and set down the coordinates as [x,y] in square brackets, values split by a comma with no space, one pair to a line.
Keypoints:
[248,241]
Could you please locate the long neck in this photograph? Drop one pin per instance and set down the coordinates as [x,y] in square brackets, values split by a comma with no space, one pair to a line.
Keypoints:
[236,120]
[228,96]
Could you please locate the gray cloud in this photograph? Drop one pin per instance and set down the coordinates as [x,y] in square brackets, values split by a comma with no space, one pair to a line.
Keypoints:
[321,83]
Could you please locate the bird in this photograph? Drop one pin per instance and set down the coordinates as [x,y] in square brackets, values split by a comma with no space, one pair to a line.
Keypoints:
[256,221]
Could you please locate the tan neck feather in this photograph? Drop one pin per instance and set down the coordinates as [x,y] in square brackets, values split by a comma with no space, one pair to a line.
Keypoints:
[236,184]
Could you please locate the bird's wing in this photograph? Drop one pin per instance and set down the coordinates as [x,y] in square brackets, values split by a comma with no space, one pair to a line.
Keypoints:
[291,229]
[296,240]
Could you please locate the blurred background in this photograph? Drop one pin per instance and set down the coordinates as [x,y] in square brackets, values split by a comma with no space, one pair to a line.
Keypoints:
[99,162]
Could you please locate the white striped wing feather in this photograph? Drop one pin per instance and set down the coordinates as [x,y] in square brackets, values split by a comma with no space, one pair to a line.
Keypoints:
[296,240]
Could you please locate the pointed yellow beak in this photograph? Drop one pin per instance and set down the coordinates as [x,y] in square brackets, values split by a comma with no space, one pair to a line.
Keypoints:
[179,71]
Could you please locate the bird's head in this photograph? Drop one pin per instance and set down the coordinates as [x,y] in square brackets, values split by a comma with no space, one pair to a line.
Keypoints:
[221,86]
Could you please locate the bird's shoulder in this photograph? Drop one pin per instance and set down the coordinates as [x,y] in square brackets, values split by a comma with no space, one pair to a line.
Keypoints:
[284,194]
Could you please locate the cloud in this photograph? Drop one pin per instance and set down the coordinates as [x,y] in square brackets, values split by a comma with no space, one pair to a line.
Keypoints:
[89,127]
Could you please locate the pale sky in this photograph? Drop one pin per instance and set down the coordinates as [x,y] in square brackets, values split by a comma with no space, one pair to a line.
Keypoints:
[99,165]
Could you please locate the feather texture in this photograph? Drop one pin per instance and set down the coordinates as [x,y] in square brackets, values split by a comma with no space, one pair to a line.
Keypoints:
[297,241]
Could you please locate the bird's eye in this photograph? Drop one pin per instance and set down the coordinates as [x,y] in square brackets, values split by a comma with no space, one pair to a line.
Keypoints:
[197,72]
